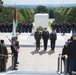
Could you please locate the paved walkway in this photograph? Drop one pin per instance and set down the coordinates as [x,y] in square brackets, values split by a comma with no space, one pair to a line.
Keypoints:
[31,60]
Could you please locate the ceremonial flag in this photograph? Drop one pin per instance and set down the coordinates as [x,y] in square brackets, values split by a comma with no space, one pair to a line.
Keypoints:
[15,21]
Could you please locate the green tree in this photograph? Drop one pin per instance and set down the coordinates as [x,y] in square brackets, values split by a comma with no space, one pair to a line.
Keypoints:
[6,14]
[71,14]
[24,13]
[32,12]
[1,5]
[41,9]
[60,14]
[51,13]
[28,13]
[1,2]
[20,17]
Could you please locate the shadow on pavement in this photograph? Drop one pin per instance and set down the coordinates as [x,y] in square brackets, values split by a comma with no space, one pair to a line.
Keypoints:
[42,52]
[50,52]
[34,52]
[10,68]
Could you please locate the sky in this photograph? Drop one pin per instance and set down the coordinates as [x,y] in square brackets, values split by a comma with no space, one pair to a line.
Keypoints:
[31,2]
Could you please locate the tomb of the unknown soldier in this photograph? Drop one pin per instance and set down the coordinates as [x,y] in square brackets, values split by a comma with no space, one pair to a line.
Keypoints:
[37,37]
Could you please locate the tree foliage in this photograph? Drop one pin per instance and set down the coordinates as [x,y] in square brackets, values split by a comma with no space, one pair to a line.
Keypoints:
[51,13]
[41,9]
[28,14]
[1,5]
[20,17]
[1,2]
[64,14]
[6,14]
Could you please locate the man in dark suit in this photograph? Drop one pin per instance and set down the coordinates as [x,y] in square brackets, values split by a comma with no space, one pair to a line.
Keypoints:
[53,37]
[45,36]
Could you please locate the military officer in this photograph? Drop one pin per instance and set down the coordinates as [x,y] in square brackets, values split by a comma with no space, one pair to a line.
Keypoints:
[3,58]
[37,37]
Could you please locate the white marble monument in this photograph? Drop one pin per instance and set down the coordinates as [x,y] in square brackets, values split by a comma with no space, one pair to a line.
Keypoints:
[41,20]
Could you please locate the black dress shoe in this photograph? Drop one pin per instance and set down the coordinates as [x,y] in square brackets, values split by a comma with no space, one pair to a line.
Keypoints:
[45,49]
[52,49]
[17,63]
[15,69]
[0,71]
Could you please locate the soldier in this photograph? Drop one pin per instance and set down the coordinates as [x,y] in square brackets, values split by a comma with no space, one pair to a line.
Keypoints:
[30,27]
[0,55]
[45,36]
[63,28]
[37,37]
[17,45]
[3,58]
[64,52]
[53,38]
[26,27]
[53,26]
[14,49]
[71,51]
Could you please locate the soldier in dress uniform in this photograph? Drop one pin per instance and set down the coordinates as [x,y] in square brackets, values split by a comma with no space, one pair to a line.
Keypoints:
[37,37]
[71,52]
[14,49]
[3,58]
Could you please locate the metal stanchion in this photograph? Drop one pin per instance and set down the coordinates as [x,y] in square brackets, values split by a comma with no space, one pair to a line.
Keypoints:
[59,69]
[58,65]
[65,67]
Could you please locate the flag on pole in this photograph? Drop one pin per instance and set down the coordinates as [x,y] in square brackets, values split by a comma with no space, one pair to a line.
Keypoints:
[15,21]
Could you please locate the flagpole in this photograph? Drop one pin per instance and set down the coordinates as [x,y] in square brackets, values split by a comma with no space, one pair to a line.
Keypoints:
[14,22]
[14,28]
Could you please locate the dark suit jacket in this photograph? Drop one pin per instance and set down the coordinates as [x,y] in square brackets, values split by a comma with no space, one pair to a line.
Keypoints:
[45,35]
